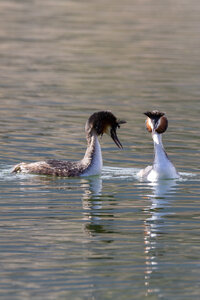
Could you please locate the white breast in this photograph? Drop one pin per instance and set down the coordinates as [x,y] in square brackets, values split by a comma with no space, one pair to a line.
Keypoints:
[162,167]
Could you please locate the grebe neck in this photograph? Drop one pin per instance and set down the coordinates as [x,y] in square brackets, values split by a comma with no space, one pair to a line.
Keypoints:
[93,157]
[160,154]
[162,164]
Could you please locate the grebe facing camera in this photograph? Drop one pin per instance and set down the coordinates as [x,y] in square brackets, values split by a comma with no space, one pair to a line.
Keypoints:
[162,168]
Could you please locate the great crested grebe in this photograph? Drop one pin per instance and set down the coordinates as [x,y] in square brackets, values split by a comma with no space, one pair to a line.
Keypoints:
[98,123]
[162,168]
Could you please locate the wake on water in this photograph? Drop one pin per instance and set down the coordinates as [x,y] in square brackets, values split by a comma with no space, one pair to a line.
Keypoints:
[108,173]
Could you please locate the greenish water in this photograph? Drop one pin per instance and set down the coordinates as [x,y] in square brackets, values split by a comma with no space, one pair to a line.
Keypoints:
[112,236]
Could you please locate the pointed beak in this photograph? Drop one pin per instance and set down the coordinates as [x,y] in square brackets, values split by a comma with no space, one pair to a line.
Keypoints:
[155,125]
[113,135]
[121,122]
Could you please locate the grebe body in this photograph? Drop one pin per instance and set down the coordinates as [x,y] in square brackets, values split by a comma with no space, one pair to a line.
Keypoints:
[91,164]
[162,167]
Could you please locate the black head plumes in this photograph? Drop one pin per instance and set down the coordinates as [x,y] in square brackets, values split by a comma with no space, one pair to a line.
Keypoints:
[104,122]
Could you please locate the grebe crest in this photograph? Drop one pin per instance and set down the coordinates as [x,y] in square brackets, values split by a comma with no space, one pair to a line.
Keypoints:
[104,122]
[156,121]
[98,123]
[162,168]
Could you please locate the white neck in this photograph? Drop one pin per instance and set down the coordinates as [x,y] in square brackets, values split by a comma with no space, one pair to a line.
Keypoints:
[162,165]
[160,154]
[93,158]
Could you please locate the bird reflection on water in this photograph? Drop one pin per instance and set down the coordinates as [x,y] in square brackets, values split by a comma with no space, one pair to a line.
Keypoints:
[94,212]
[155,227]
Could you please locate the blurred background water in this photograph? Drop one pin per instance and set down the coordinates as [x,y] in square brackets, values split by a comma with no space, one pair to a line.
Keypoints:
[110,236]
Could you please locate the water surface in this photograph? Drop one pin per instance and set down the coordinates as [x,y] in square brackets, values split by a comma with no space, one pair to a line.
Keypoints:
[108,236]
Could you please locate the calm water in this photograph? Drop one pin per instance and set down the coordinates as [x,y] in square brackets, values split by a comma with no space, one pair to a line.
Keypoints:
[107,237]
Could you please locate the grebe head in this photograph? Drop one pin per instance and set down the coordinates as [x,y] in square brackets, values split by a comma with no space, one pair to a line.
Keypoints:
[156,121]
[104,122]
